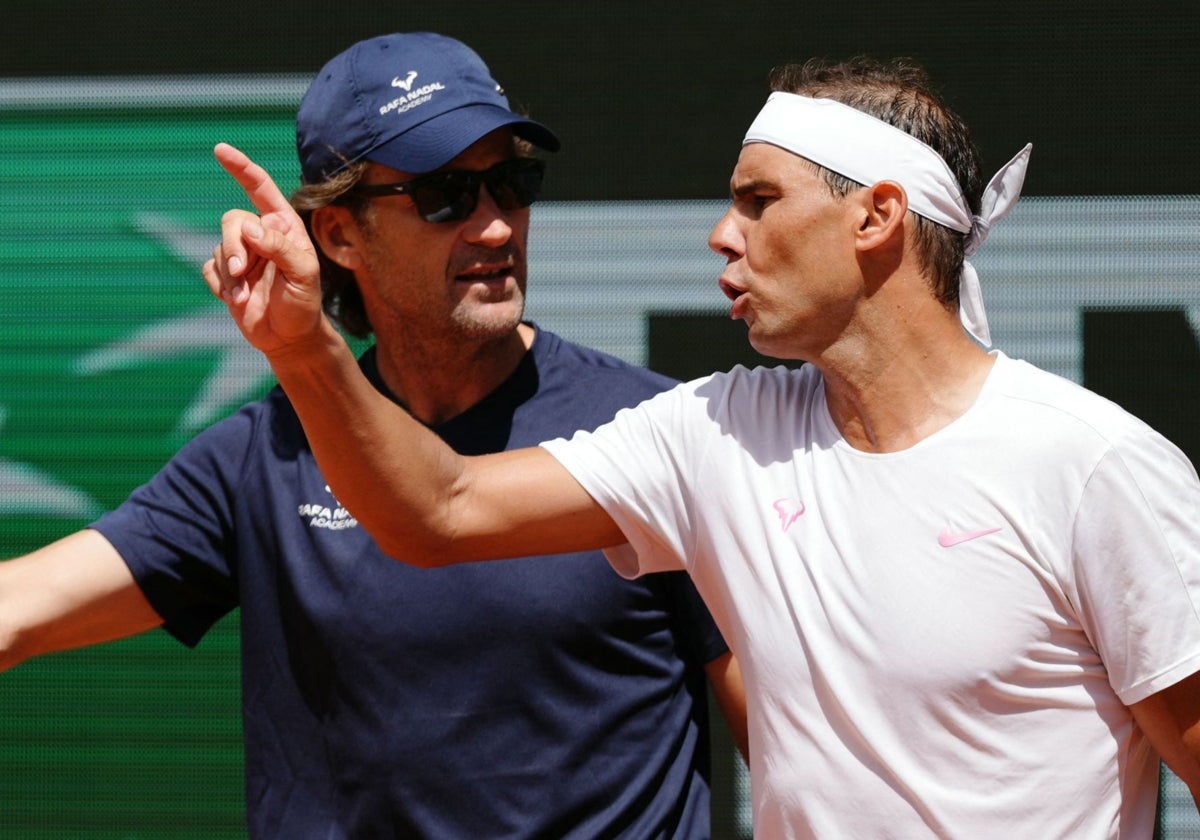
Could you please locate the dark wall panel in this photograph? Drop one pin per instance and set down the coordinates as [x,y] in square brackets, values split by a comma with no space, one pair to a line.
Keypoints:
[652,99]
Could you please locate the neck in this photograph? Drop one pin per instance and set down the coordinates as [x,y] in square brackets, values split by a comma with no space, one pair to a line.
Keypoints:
[437,381]
[906,387]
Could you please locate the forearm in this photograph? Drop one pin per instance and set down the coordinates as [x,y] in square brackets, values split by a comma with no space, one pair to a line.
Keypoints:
[421,501]
[1170,720]
[394,476]
[72,593]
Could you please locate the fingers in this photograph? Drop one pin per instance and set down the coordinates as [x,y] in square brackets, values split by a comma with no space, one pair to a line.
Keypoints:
[265,267]
[250,247]
[260,188]
[211,278]
[250,241]
[221,282]
[238,227]
[233,263]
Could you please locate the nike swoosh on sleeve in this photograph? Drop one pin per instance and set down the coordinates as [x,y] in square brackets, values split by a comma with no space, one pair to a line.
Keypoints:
[949,540]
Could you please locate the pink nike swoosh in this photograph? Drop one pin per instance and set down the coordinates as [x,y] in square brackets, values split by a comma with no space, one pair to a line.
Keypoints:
[948,540]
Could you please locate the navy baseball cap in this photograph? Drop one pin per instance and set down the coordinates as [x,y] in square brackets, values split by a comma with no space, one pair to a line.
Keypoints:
[412,101]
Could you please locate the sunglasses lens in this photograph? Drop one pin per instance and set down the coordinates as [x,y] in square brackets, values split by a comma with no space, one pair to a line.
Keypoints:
[449,198]
[453,195]
[515,184]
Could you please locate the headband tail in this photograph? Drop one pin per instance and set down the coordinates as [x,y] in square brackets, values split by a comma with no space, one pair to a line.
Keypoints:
[970,306]
[999,197]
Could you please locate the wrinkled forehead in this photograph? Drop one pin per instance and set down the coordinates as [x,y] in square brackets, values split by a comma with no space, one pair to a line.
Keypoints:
[766,166]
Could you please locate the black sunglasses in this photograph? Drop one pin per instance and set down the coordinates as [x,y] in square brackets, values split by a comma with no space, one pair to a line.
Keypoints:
[452,195]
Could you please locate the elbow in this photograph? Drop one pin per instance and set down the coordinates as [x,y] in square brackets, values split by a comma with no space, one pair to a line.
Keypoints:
[426,551]
[11,647]
[427,538]
[405,554]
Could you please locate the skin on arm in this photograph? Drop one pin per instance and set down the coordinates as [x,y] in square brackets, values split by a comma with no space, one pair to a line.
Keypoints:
[416,496]
[725,677]
[1171,720]
[72,593]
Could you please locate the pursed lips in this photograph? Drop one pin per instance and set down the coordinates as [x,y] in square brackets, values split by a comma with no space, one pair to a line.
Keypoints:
[736,294]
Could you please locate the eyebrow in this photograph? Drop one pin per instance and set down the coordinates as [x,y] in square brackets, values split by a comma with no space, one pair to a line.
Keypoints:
[753,185]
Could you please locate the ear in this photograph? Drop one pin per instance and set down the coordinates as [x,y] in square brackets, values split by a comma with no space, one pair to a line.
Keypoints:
[883,208]
[338,235]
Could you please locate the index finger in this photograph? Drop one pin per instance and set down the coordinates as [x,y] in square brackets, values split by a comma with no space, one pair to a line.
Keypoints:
[259,186]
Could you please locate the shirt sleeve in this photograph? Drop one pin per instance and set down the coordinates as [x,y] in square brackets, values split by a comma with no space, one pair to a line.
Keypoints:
[637,468]
[1136,560]
[175,531]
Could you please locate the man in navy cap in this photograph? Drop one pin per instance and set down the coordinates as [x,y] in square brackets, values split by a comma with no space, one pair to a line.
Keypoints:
[544,697]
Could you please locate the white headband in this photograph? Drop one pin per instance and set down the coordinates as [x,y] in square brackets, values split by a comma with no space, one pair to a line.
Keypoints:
[867,150]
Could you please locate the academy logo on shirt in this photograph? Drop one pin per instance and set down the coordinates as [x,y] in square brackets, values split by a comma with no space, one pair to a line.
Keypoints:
[330,515]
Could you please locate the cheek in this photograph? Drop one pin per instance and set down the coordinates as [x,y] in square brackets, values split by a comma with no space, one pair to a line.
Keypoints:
[408,273]
[773,251]
[802,245]
[418,246]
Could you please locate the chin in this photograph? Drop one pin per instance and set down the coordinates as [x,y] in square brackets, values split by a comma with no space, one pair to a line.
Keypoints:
[761,342]
[766,345]
[490,321]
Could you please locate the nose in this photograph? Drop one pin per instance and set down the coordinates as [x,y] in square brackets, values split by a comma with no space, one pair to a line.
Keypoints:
[725,238]
[488,224]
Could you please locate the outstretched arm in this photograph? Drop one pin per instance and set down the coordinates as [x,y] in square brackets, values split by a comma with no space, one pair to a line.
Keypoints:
[72,593]
[419,499]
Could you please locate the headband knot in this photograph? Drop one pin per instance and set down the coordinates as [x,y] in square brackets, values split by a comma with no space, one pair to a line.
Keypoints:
[980,228]
[867,150]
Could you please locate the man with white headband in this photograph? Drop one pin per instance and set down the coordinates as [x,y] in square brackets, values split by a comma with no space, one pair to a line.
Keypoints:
[965,593]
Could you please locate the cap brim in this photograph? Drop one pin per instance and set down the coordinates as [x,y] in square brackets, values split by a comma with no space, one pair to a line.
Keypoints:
[439,140]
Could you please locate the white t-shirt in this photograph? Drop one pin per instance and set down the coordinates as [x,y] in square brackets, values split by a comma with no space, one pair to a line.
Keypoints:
[935,642]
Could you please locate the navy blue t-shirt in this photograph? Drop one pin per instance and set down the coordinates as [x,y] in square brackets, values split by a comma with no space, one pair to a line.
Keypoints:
[538,697]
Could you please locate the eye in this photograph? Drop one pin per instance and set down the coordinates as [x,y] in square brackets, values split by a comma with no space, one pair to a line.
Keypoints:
[753,196]
[756,202]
